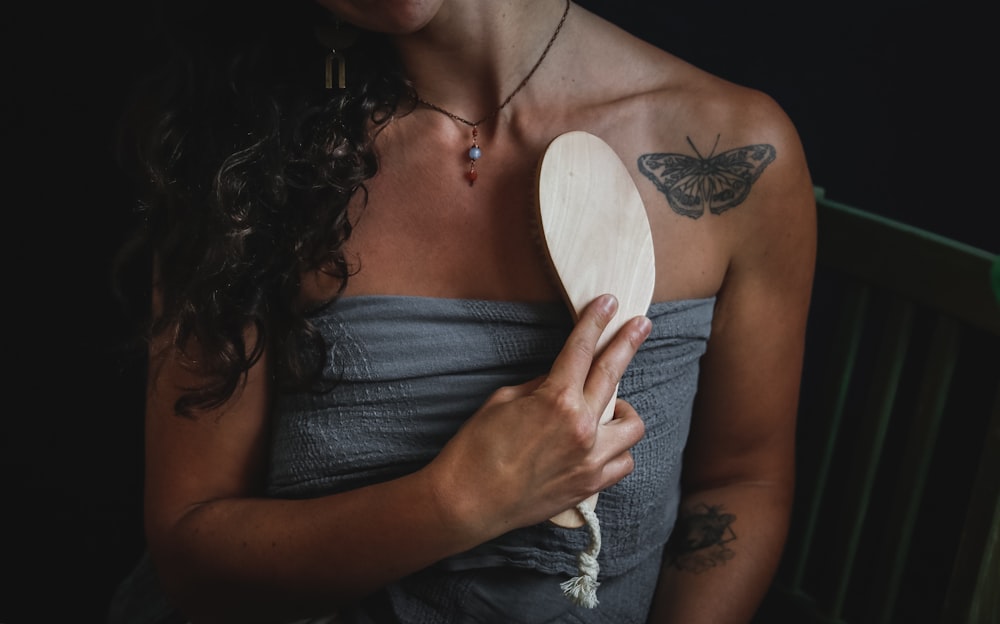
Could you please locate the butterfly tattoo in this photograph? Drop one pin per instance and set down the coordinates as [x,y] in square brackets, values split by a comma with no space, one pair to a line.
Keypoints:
[718,182]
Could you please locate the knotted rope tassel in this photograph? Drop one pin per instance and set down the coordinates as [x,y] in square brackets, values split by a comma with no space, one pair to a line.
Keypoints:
[582,589]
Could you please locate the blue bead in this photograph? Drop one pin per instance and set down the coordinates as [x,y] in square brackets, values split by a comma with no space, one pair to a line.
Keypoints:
[475,153]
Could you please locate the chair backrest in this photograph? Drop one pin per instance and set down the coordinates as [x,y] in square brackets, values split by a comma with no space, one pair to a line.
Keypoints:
[897,513]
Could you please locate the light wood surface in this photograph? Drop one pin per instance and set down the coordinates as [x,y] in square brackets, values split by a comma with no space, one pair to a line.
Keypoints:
[596,234]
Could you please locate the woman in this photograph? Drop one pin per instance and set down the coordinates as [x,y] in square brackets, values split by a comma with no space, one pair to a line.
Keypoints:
[365,398]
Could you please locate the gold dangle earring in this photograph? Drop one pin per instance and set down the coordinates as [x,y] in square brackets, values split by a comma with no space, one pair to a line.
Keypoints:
[336,37]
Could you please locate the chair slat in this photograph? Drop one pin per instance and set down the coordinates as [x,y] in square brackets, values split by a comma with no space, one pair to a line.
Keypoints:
[973,595]
[915,464]
[877,413]
[830,414]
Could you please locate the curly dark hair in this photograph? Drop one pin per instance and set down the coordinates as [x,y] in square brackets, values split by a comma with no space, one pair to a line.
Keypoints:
[245,163]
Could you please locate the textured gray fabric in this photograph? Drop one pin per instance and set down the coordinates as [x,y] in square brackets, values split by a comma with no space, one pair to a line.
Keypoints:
[411,370]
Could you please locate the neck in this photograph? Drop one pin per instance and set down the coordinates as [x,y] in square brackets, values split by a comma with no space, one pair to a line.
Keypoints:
[474,54]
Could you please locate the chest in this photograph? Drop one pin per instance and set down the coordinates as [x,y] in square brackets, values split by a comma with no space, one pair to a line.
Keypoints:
[424,230]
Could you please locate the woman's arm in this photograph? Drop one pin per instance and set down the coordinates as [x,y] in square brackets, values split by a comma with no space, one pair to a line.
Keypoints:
[738,472]
[225,553]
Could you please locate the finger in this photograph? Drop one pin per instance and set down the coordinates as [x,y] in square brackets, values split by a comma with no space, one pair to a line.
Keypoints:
[626,423]
[607,370]
[573,362]
[617,468]
[624,429]
[616,438]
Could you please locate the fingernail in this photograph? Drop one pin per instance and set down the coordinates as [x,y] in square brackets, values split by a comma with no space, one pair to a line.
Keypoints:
[607,303]
[645,325]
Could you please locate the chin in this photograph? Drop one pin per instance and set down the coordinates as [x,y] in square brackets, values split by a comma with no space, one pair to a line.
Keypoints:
[392,17]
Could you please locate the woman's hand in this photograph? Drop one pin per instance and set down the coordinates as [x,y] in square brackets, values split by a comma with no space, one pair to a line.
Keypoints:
[536,449]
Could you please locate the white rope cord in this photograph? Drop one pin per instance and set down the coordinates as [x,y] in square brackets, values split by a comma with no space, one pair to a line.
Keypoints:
[582,589]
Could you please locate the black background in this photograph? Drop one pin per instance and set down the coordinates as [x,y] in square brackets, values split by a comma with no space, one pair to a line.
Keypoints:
[894,103]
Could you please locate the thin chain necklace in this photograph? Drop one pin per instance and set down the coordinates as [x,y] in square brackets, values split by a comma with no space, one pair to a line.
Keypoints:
[475,153]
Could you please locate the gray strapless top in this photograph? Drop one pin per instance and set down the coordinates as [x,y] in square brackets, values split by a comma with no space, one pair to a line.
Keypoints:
[412,369]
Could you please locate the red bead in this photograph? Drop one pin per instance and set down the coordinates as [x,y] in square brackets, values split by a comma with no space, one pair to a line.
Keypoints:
[471,176]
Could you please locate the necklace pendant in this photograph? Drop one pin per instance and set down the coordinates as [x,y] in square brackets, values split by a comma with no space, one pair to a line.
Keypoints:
[474,154]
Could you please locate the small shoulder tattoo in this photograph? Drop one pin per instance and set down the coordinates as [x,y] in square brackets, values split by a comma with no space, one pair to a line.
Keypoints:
[699,539]
[719,182]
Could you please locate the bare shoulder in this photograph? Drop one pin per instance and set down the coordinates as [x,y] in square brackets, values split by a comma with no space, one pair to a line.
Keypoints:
[720,166]
[667,112]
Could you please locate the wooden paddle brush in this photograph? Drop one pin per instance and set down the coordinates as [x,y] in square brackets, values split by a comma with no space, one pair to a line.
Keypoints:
[597,238]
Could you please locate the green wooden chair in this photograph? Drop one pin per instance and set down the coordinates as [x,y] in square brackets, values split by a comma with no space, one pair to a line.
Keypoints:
[897,514]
